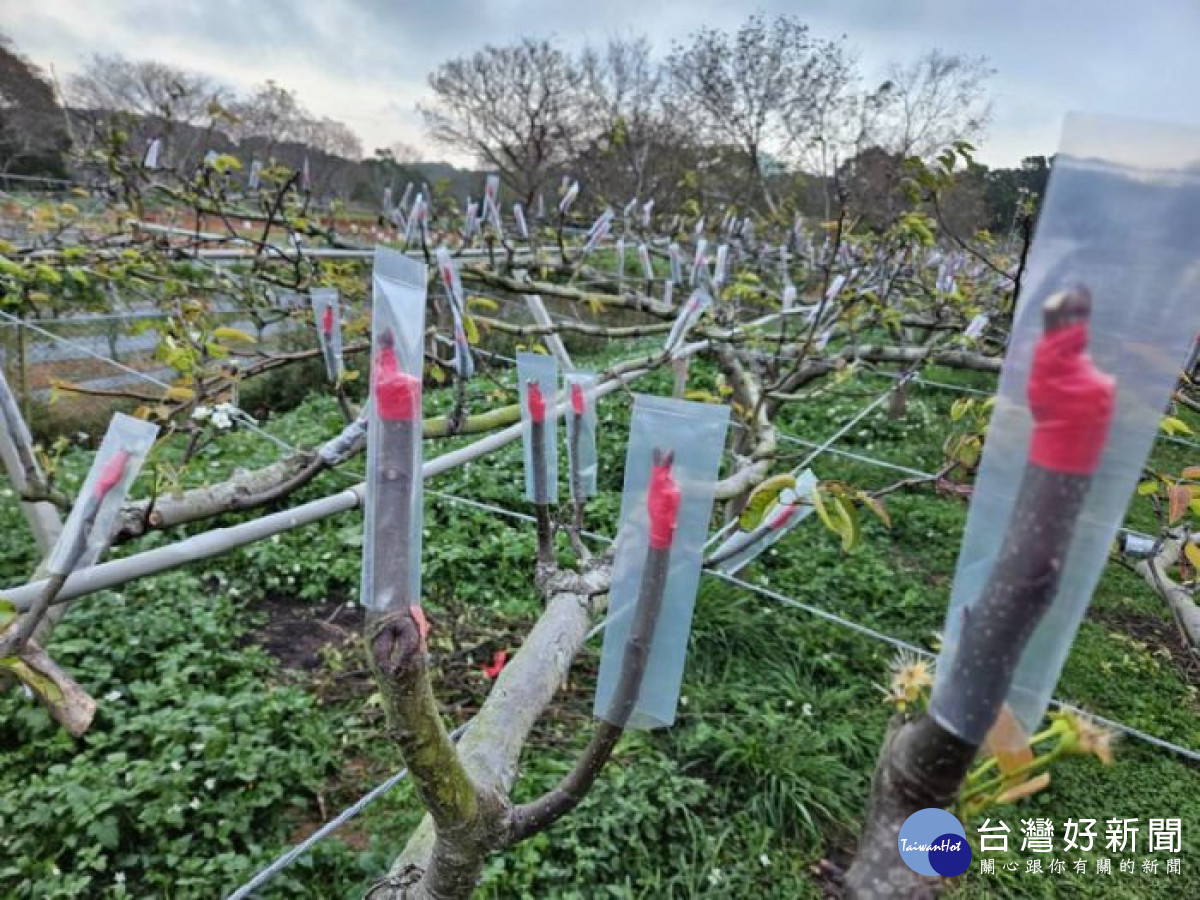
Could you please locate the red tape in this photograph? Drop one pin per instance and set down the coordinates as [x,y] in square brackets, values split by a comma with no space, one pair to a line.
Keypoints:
[112,473]
[577,399]
[327,320]
[397,394]
[535,401]
[1072,403]
[663,504]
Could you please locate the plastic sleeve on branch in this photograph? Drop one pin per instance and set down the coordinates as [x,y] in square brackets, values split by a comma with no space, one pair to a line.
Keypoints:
[663,507]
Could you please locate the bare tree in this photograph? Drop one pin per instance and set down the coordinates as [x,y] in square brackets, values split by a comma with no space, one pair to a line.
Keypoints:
[635,144]
[515,108]
[155,99]
[927,105]
[744,90]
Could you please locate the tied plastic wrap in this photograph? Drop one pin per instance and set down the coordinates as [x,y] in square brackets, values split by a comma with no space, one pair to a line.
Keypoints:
[700,301]
[392,528]
[90,525]
[675,255]
[789,297]
[568,199]
[537,376]
[581,433]
[327,312]
[519,216]
[743,547]
[694,435]
[464,362]
[598,231]
[491,194]
[720,267]
[699,261]
[643,253]
[1122,218]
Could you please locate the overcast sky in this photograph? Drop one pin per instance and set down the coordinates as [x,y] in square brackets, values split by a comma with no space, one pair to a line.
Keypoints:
[364,62]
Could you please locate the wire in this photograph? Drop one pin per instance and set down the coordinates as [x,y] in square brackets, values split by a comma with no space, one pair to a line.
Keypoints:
[850,625]
[282,862]
[243,419]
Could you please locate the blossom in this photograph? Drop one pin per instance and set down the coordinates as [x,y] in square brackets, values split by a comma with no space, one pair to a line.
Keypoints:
[201,413]
[911,677]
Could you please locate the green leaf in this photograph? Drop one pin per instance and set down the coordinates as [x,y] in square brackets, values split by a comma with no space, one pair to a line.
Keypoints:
[8,613]
[1192,552]
[483,303]
[848,519]
[762,499]
[233,334]
[1173,426]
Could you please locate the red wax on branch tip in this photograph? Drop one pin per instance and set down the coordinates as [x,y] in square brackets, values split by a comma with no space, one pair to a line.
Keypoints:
[536,402]
[397,394]
[577,399]
[112,472]
[1072,403]
[327,320]
[663,504]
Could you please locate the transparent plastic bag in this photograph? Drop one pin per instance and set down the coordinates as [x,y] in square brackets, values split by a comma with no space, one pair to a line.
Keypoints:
[90,525]
[392,527]
[327,311]
[598,231]
[675,255]
[699,261]
[792,507]
[581,433]
[674,446]
[464,362]
[688,316]
[643,253]
[720,267]
[537,378]
[491,195]
[1121,219]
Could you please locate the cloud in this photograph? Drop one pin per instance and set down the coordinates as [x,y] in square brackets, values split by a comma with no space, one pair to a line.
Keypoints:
[364,62]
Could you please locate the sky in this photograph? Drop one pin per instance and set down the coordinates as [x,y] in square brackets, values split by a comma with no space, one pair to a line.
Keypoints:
[365,62]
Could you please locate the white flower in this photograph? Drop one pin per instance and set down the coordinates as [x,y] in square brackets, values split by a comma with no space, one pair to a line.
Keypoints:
[195,804]
[222,420]
[201,413]
[112,696]
[119,878]
[806,709]
[714,877]
[764,860]
[210,783]
[176,766]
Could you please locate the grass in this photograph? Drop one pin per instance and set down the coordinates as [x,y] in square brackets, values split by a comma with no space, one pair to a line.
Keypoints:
[763,776]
